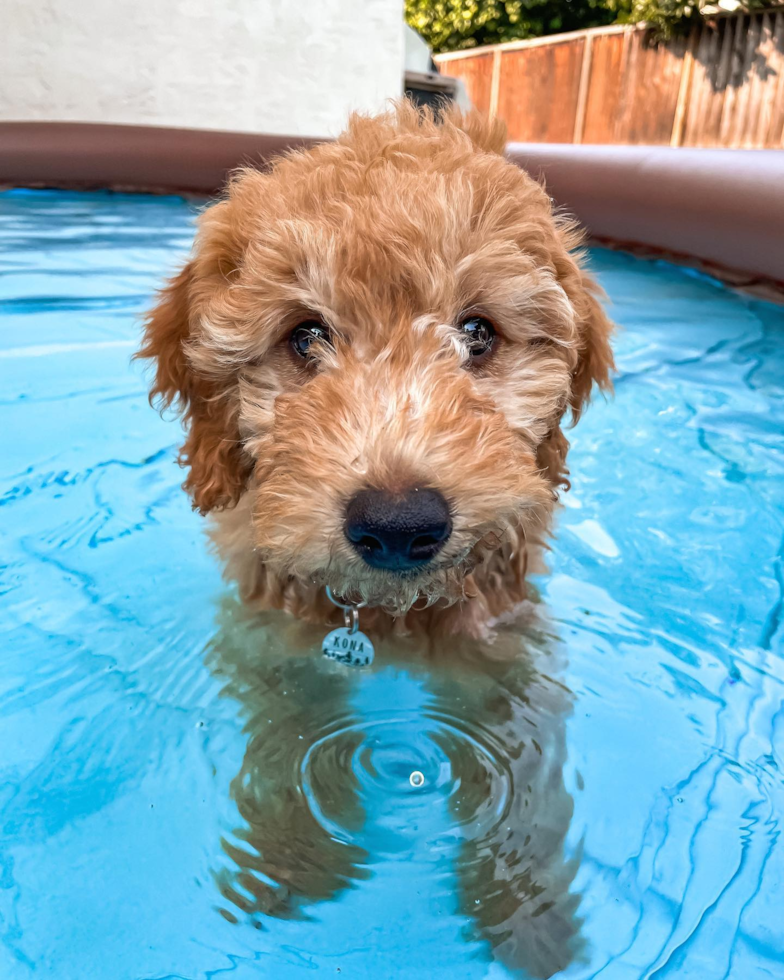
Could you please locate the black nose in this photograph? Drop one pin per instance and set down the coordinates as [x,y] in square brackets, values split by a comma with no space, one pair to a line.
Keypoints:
[398,531]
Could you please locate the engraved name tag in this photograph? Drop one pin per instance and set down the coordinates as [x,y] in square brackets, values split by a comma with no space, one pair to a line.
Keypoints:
[354,649]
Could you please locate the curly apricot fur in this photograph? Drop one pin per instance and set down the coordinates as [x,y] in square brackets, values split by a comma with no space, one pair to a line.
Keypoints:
[389,234]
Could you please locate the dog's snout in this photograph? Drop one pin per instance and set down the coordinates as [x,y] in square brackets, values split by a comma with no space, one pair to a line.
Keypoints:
[398,532]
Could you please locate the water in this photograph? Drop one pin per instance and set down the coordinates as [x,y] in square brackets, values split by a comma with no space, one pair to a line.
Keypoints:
[188,792]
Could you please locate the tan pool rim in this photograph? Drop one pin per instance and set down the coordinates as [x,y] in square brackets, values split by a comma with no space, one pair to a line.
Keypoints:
[722,208]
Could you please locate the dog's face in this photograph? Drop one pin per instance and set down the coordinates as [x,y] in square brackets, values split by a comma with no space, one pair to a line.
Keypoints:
[377,341]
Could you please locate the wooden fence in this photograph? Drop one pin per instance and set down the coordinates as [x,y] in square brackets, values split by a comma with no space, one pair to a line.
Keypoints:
[721,86]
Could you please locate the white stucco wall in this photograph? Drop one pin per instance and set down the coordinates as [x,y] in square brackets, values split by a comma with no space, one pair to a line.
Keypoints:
[276,66]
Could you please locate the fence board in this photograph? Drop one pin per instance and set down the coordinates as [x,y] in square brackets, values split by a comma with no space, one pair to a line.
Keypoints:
[775,132]
[743,106]
[652,81]
[734,79]
[538,90]
[604,89]
[706,96]
[477,74]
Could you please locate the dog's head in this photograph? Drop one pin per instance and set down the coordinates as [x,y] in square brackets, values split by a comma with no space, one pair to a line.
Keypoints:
[378,340]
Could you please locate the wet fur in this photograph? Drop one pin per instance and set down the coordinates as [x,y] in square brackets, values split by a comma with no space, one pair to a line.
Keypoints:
[389,233]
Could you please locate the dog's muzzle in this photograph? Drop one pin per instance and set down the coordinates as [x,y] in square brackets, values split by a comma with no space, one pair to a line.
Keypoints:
[398,532]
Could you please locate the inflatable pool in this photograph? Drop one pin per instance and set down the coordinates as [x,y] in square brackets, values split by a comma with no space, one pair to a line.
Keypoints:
[182,797]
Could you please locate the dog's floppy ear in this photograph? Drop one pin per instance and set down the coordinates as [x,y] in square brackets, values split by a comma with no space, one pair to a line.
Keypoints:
[594,355]
[594,362]
[218,469]
[594,328]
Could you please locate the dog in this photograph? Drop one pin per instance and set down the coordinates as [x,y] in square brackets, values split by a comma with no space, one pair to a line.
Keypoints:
[374,349]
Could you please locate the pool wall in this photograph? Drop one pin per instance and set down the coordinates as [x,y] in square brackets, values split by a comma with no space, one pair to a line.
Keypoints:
[722,208]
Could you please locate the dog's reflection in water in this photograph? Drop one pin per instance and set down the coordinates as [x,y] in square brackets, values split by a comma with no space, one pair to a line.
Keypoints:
[513,876]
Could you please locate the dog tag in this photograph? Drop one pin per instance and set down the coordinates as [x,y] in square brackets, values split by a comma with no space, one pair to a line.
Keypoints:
[345,647]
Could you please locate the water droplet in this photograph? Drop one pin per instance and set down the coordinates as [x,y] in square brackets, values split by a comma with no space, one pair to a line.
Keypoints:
[416,779]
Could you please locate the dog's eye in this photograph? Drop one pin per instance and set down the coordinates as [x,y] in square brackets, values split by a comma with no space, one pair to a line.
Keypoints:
[479,335]
[307,333]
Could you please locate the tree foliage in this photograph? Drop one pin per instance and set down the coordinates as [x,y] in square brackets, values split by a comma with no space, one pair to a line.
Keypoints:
[668,17]
[450,25]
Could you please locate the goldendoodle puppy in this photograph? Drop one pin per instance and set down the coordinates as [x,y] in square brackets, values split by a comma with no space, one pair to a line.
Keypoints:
[373,349]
